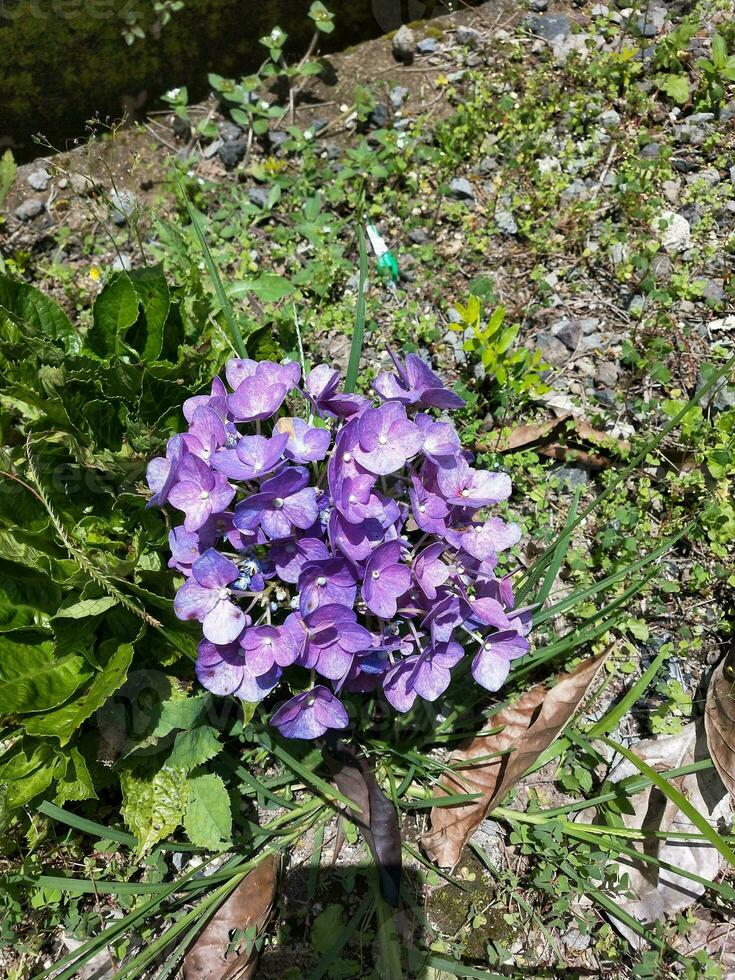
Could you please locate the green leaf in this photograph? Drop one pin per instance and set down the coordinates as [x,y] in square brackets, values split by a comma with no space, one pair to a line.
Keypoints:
[360,313]
[208,820]
[676,87]
[181,713]
[18,792]
[64,721]
[115,311]
[8,171]
[194,748]
[719,51]
[26,304]
[153,804]
[153,295]
[268,288]
[86,607]
[32,678]
[76,783]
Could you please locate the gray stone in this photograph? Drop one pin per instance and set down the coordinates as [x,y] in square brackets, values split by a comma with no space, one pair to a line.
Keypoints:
[553,351]
[569,332]
[646,27]
[229,131]
[29,208]
[123,205]
[419,236]
[489,837]
[379,116]
[591,342]
[636,305]
[487,165]
[505,221]
[539,6]
[713,294]
[427,45]
[212,149]
[606,375]
[661,267]
[609,119]
[548,27]
[572,476]
[39,179]
[619,253]
[576,941]
[259,195]
[692,213]
[454,316]
[231,152]
[721,400]
[589,324]
[181,128]
[468,36]
[277,137]
[651,151]
[122,263]
[461,189]
[404,45]
[397,96]
[81,184]
[605,397]
[673,230]
[575,191]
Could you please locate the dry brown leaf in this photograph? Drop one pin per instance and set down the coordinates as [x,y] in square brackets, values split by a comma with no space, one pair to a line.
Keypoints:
[657,892]
[719,720]
[529,727]
[577,431]
[250,904]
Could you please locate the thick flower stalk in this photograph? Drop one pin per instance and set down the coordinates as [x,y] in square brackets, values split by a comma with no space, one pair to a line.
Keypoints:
[348,543]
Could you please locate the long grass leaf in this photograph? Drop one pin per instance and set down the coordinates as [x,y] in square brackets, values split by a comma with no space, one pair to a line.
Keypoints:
[618,711]
[360,313]
[559,553]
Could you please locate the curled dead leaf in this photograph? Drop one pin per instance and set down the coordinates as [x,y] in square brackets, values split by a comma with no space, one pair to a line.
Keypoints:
[657,892]
[250,905]
[529,727]
[719,720]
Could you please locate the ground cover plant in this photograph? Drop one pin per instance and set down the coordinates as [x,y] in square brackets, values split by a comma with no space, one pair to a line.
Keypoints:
[153,825]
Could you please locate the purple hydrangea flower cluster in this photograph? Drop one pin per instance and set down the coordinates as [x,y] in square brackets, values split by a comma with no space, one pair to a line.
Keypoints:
[348,543]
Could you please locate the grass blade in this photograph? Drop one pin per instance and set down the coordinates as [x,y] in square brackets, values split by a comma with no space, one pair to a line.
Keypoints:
[559,552]
[360,312]
[619,710]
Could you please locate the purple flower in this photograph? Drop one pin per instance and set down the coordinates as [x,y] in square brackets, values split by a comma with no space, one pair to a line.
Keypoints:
[416,382]
[429,510]
[216,400]
[486,540]
[206,596]
[306,443]
[284,501]
[488,612]
[310,714]
[428,571]
[321,386]
[325,582]
[206,433]
[223,670]
[199,492]
[253,458]
[334,638]
[356,500]
[184,547]
[463,486]
[289,557]
[265,646]
[443,618]
[386,439]
[427,675]
[440,438]
[163,472]
[385,580]
[256,399]
[491,664]
[355,541]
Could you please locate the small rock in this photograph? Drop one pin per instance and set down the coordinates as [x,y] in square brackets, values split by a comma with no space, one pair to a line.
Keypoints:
[619,253]
[397,96]
[651,151]
[605,397]
[39,179]
[123,205]
[419,236]
[277,137]
[609,119]
[589,324]
[539,6]
[646,27]
[569,332]
[713,294]
[379,116]
[721,400]
[505,221]
[122,263]
[673,230]
[692,213]
[212,149]
[461,189]
[636,305]
[181,128]
[553,351]
[30,208]
[489,837]
[661,267]
[548,27]
[591,342]
[427,45]
[259,196]
[231,152]
[576,191]
[229,131]
[572,477]
[606,375]
[404,45]
[468,36]
[576,941]
[671,189]
[81,184]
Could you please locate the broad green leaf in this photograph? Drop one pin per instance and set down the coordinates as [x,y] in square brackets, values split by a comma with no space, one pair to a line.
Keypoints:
[86,607]
[153,804]
[32,678]
[153,295]
[18,792]
[178,713]
[676,87]
[25,758]
[76,782]
[719,51]
[26,304]
[8,170]
[194,748]
[267,287]
[208,819]
[64,721]
[115,311]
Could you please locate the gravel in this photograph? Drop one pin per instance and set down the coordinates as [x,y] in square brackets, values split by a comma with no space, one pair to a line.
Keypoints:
[461,189]
[404,45]
[30,208]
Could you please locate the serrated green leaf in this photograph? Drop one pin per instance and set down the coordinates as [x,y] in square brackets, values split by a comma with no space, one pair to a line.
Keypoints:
[64,721]
[208,819]
[76,782]
[676,87]
[182,713]
[26,304]
[194,748]
[153,804]
[268,288]
[32,678]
